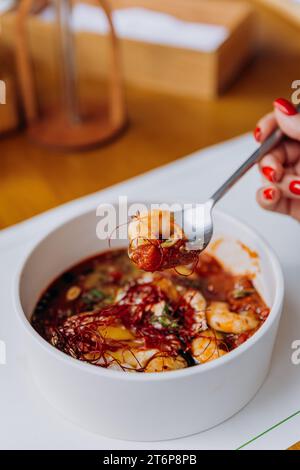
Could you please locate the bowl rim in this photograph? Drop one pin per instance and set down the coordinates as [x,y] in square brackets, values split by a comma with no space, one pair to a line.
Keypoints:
[154,376]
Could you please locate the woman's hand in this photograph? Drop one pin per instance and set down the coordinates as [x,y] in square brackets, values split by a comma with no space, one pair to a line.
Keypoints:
[281,167]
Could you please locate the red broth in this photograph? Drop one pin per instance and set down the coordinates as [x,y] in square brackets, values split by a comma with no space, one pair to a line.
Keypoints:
[107,312]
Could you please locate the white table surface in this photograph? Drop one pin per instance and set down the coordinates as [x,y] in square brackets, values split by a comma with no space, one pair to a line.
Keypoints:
[26,419]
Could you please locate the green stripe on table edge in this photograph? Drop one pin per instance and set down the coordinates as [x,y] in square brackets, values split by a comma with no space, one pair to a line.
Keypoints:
[269,429]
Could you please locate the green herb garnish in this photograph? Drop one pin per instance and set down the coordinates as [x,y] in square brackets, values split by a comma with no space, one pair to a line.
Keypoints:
[165,319]
[166,310]
[93,296]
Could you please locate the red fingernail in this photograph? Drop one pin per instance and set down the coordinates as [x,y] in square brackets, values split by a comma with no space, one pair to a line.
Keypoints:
[295,187]
[257,134]
[269,173]
[285,106]
[269,194]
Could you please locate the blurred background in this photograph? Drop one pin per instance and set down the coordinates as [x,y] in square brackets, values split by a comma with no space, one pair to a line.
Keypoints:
[95,92]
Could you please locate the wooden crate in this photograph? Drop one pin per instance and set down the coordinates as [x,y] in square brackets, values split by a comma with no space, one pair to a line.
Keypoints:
[160,67]
[9,118]
[288,8]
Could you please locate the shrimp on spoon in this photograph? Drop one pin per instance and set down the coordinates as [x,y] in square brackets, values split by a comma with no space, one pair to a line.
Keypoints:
[161,240]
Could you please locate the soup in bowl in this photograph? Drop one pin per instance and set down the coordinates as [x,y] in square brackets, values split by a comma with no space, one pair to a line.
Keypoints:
[148,356]
[106,312]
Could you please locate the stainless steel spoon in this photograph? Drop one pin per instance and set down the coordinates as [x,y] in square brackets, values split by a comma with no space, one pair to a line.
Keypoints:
[197,221]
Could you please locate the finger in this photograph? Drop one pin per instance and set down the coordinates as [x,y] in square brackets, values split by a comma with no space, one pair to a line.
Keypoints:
[295,209]
[272,200]
[290,186]
[292,151]
[290,170]
[288,118]
[265,127]
[268,197]
[272,165]
[296,168]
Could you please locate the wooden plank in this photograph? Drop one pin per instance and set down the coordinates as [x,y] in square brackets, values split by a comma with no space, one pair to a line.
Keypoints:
[154,66]
[163,126]
[295,446]
[288,8]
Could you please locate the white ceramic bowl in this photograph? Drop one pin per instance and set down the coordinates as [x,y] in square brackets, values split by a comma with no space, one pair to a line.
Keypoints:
[147,406]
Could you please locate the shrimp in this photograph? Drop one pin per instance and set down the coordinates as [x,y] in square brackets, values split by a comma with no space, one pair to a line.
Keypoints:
[198,303]
[163,362]
[131,359]
[157,242]
[220,318]
[167,287]
[156,224]
[134,357]
[151,360]
[206,347]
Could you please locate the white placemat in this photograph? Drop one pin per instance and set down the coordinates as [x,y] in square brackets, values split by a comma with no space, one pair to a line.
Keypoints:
[26,419]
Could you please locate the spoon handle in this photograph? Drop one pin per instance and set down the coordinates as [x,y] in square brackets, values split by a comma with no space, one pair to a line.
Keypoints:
[272,141]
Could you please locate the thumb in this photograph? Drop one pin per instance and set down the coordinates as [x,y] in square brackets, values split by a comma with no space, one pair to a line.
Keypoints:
[288,118]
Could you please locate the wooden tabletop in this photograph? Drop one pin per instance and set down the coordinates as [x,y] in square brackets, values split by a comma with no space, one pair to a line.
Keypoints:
[295,446]
[162,129]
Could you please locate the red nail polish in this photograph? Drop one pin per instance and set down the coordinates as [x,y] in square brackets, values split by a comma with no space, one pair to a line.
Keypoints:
[295,187]
[269,173]
[257,134]
[269,194]
[285,107]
